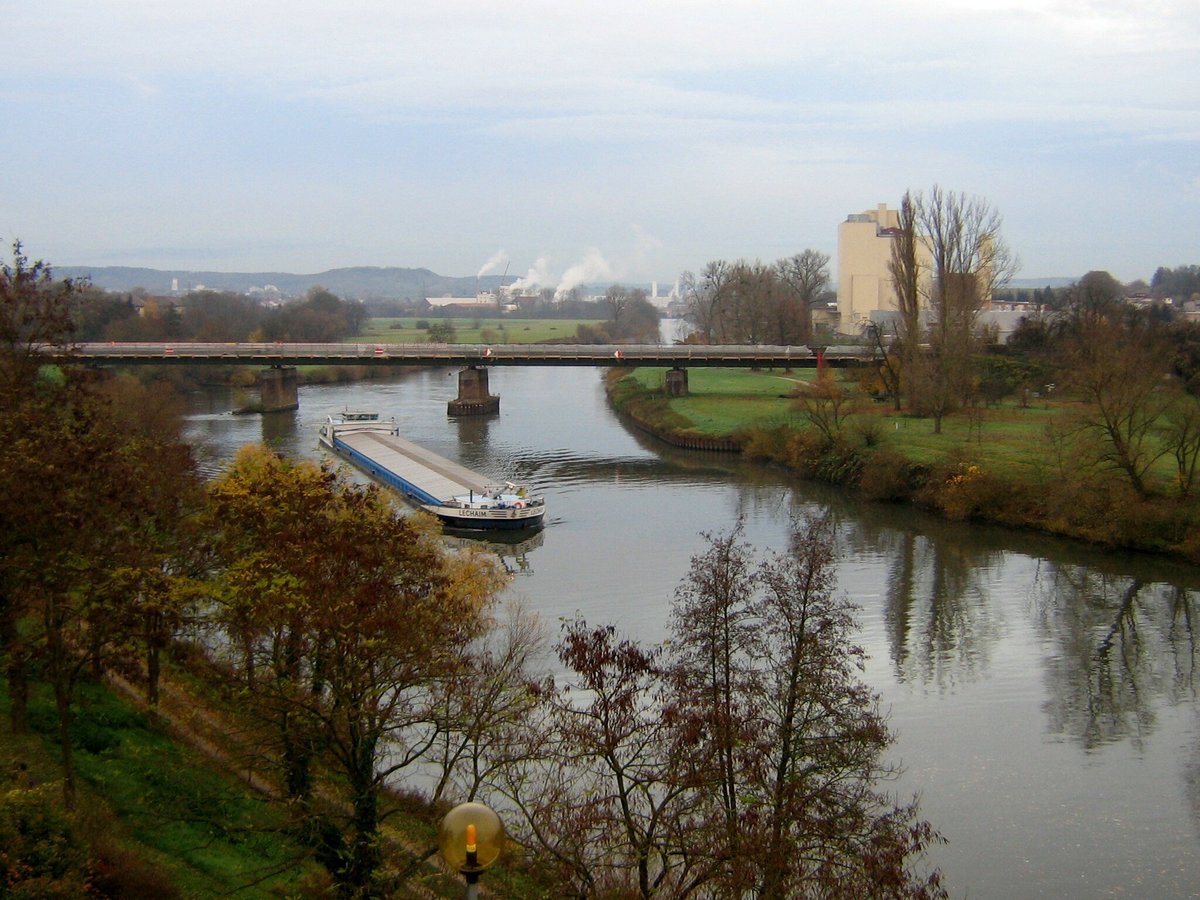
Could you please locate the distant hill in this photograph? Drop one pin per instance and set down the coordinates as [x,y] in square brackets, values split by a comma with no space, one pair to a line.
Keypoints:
[356,283]
[1056,282]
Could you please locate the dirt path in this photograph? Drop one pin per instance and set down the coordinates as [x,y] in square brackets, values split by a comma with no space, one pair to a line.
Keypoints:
[193,723]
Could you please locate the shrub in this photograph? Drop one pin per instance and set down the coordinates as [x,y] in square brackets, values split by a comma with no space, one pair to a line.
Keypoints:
[122,873]
[40,854]
[766,444]
[969,492]
[840,462]
[886,475]
[835,462]
[801,452]
[868,429]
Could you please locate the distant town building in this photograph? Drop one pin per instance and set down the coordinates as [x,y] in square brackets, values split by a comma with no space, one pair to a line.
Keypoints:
[484,299]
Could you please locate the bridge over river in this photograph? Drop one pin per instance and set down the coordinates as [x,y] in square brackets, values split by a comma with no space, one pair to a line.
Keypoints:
[279,382]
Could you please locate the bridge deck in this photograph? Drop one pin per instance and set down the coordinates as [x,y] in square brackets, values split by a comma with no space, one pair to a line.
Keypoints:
[293,354]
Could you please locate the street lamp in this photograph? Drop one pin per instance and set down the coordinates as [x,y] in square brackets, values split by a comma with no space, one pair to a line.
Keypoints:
[470,839]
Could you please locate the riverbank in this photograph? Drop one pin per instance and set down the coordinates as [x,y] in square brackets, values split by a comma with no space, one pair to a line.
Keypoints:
[998,465]
[176,801]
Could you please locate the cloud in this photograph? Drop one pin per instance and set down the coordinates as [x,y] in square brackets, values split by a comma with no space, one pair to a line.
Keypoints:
[723,128]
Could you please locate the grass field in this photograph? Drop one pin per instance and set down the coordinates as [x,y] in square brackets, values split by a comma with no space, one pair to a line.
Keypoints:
[474,330]
[1006,439]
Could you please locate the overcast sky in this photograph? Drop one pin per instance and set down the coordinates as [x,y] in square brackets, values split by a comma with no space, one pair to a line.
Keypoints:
[607,140]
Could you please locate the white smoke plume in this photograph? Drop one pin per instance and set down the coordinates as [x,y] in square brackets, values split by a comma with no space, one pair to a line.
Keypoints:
[497,259]
[537,277]
[592,267]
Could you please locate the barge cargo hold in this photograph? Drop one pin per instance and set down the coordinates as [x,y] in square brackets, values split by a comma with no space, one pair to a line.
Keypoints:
[459,497]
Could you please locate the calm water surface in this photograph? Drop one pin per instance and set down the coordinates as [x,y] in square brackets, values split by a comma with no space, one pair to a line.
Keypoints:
[1044,695]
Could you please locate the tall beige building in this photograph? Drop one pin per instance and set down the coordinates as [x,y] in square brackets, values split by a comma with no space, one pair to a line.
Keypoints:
[864,252]
[865,289]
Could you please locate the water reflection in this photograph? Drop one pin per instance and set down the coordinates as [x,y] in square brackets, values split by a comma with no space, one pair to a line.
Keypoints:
[513,549]
[278,428]
[1119,648]
[1191,785]
[936,596]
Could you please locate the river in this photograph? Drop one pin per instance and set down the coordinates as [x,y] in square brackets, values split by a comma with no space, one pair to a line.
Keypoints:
[1044,695]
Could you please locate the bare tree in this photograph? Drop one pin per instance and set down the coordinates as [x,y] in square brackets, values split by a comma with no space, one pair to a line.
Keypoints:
[806,275]
[1181,434]
[826,405]
[616,301]
[704,296]
[484,702]
[754,303]
[890,366]
[968,260]
[1119,367]
[905,267]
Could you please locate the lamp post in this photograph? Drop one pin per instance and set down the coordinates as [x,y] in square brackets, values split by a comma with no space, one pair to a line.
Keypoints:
[470,839]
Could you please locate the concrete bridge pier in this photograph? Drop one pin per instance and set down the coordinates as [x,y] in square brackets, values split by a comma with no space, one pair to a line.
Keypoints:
[278,389]
[677,383]
[473,398]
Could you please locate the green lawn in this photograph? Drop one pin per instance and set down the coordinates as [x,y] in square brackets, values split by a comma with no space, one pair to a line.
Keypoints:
[473,330]
[1006,439]
[159,807]
[162,802]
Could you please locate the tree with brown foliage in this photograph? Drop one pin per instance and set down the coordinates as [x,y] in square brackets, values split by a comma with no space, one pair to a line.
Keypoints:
[597,794]
[788,744]
[346,614]
[714,635]
[35,314]
[91,496]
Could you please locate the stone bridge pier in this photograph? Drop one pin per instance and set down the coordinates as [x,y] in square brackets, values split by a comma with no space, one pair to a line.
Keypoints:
[278,389]
[677,383]
[473,398]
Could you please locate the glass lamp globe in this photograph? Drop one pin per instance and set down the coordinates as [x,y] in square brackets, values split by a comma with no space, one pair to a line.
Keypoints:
[470,837]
